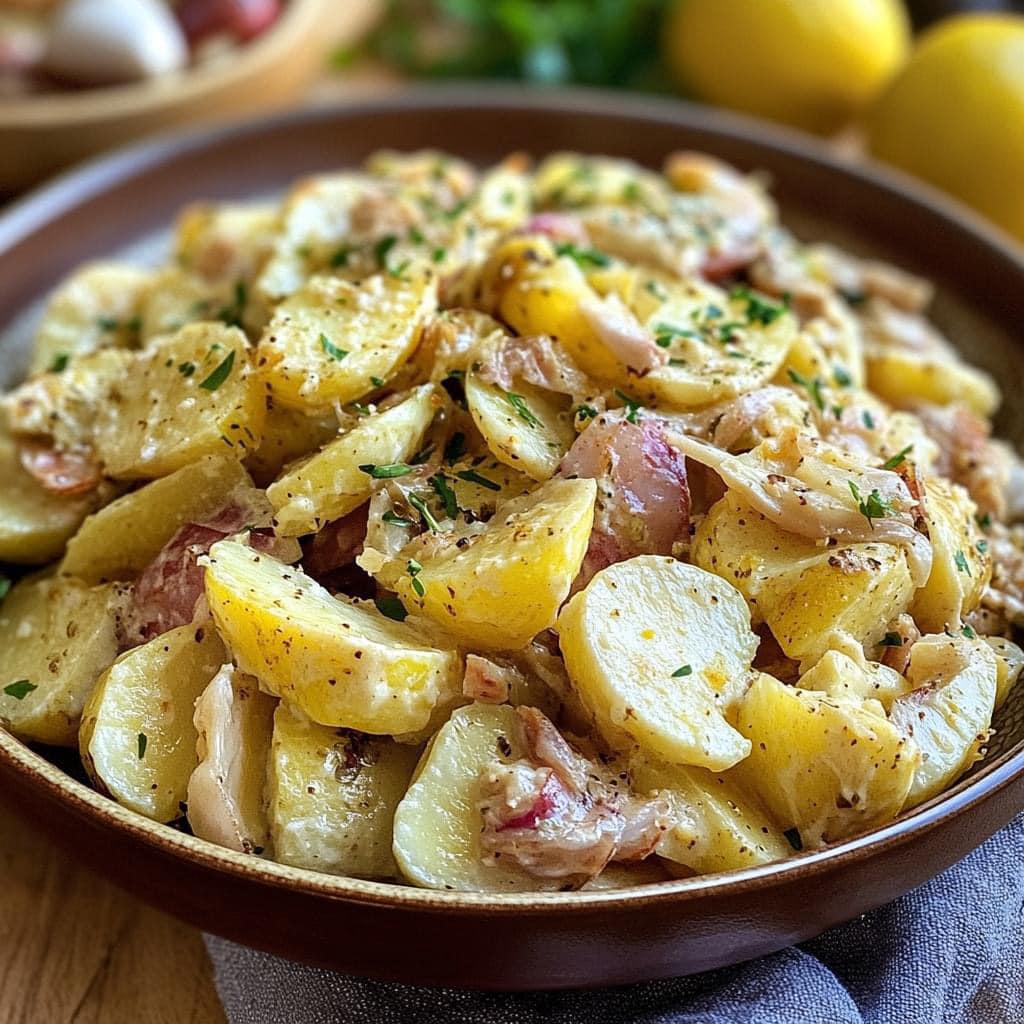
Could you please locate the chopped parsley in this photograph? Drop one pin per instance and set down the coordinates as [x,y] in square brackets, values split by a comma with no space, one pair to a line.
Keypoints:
[981,545]
[473,477]
[143,743]
[523,411]
[186,369]
[219,374]
[422,455]
[383,248]
[841,376]
[396,520]
[446,494]
[585,412]
[898,458]
[892,640]
[341,255]
[20,690]
[683,670]
[331,349]
[873,507]
[655,289]
[416,236]
[377,382]
[968,631]
[439,254]
[455,447]
[584,258]
[232,314]
[984,520]
[425,514]
[392,607]
[633,407]
[868,419]
[812,386]
[961,562]
[664,334]
[414,569]
[60,362]
[759,309]
[386,471]
[5,587]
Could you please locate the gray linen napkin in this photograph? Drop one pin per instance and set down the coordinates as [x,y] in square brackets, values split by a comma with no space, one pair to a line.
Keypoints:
[951,952]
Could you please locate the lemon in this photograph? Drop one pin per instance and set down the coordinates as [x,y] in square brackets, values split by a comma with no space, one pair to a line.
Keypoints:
[955,114]
[810,63]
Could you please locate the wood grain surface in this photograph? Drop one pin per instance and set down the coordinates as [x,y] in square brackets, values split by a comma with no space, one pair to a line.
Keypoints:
[76,949]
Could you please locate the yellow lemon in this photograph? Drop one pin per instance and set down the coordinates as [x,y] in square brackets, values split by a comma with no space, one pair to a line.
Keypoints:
[810,63]
[955,114]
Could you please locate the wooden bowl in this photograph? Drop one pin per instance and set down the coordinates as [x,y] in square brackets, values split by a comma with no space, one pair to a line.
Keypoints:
[42,133]
[526,941]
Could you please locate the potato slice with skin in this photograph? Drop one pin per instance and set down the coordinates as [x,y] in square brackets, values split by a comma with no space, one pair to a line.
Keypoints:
[34,524]
[330,484]
[949,711]
[58,636]
[843,677]
[960,571]
[340,661]
[332,796]
[138,741]
[234,722]
[188,395]
[331,340]
[497,587]
[657,649]
[527,428]
[438,822]
[829,768]
[96,307]
[902,376]
[715,825]
[807,593]
[119,541]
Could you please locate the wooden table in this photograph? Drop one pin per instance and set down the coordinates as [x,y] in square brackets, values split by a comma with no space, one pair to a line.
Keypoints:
[76,949]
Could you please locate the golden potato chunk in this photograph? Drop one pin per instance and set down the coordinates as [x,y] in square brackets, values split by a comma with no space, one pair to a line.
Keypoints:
[438,821]
[658,649]
[226,791]
[332,796]
[188,395]
[225,241]
[902,376]
[335,481]
[341,661]
[138,740]
[845,678]
[497,587]
[960,568]
[949,710]
[528,429]
[1009,664]
[119,541]
[332,340]
[829,768]
[57,637]
[288,434]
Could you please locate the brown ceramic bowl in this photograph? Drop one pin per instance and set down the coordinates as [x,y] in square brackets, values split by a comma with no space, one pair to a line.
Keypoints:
[523,941]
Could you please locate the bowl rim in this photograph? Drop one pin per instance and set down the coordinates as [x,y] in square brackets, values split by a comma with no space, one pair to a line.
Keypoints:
[101,104]
[97,176]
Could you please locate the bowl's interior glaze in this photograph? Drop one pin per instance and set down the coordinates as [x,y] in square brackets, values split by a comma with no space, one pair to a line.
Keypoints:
[122,207]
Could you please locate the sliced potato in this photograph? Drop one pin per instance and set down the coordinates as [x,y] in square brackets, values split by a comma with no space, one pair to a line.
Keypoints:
[34,524]
[438,821]
[332,340]
[829,768]
[960,571]
[715,826]
[1009,663]
[808,593]
[845,678]
[904,376]
[340,661]
[96,307]
[528,429]
[138,741]
[572,180]
[288,434]
[658,649]
[178,298]
[119,541]
[498,586]
[949,711]
[188,395]
[225,241]
[58,636]
[331,484]
[234,722]
[333,794]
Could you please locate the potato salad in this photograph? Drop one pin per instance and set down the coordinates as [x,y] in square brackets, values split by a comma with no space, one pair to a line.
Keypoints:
[552,525]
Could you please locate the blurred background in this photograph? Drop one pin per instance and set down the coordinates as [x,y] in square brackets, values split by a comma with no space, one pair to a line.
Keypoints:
[934,87]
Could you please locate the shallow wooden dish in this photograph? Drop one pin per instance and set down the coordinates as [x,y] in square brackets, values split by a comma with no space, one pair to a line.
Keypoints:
[42,133]
[522,941]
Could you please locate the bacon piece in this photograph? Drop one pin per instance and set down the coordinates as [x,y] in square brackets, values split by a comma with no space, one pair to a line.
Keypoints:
[623,335]
[537,360]
[337,545]
[62,473]
[643,497]
[487,681]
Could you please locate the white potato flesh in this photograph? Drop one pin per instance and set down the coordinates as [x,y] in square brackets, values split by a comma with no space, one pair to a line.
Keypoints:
[341,661]
[841,676]
[234,722]
[527,428]
[438,822]
[330,484]
[658,650]
[1009,664]
[138,739]
[332,796]
[949,711]
[57,636]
